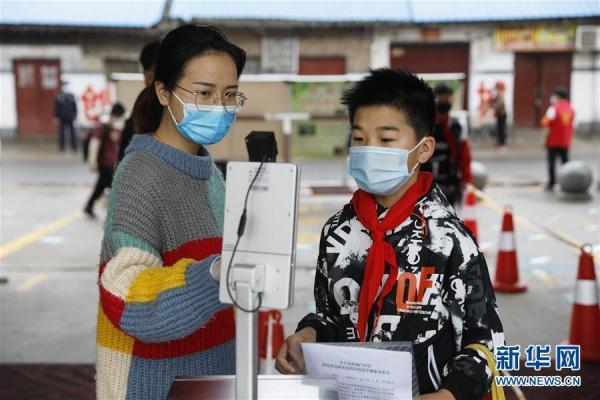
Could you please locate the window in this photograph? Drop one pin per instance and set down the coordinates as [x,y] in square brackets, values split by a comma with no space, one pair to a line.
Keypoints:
[252,65]
[279,55]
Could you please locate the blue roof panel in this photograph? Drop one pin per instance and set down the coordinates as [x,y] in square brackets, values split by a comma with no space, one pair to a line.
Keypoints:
[110,13]
[303,10]
[144,13]
[460,11]
[409,11]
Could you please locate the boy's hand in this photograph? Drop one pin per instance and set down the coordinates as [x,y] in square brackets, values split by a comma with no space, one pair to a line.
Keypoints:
[290,359]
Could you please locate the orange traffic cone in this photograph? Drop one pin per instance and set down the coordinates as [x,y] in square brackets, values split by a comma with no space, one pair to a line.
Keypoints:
[507,269]
[585,320]
[468,212]
[270,339]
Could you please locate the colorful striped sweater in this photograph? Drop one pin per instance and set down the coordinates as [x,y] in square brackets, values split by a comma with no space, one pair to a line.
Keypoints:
[159,313]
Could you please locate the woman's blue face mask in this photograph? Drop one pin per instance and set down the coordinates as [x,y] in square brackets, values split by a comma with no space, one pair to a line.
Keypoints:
[203,124]
[380,170]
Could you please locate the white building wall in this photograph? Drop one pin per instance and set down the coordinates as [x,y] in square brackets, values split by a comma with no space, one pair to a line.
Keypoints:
[380,51]
[78,84]
[71,57]
[585,87]
[78,69]
[8,104]
[487,67]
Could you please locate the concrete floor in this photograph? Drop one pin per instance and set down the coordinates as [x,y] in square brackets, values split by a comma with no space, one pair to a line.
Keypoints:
[49,251]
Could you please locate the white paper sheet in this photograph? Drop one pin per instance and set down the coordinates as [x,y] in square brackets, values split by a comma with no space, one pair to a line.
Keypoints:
[362,373]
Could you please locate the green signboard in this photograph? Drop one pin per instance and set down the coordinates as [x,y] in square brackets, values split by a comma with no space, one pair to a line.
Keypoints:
[318,98]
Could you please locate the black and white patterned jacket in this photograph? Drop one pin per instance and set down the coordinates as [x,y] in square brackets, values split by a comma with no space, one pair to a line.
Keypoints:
[442,302]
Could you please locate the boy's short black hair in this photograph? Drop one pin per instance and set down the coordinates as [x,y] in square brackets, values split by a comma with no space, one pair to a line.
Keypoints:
[398,88]
[117,110]
[149,54]
[442,88]
[561,92]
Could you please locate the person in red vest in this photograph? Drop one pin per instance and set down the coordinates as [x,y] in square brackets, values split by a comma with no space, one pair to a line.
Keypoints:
[559,121]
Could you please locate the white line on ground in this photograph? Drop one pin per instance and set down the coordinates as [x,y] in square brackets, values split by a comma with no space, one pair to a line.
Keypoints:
[31,282]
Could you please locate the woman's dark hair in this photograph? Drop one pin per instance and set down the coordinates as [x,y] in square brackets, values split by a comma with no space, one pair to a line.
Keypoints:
[176,49]
[398,88]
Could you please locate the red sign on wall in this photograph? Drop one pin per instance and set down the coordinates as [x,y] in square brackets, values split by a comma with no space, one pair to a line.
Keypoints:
[94,102]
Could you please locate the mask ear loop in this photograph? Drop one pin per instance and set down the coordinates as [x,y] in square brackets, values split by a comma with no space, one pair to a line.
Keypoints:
[413,149]
[171,112]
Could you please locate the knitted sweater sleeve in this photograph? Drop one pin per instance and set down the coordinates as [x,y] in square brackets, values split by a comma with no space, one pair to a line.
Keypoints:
[142,297]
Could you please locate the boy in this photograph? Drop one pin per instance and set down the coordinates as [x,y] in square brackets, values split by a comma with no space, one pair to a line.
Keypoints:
[400,237]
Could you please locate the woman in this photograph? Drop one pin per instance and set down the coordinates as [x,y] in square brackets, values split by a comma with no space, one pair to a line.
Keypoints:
[160,315]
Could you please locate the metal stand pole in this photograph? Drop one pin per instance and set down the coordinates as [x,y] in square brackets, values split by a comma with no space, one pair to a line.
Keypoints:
[249,282]
[246,345]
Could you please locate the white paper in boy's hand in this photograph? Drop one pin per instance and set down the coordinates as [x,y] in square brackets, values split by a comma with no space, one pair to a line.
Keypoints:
[362,373]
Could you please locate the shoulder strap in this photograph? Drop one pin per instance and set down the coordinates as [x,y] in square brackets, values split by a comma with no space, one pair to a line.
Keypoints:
[497,391]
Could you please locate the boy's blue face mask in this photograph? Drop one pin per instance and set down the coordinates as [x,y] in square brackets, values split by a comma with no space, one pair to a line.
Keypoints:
[380,170]
[204,124]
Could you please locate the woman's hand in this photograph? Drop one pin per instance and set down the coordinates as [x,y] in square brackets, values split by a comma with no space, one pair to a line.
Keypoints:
[442,394]
[290,359]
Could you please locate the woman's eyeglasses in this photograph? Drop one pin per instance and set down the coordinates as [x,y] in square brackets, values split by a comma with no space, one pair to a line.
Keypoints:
[232,101]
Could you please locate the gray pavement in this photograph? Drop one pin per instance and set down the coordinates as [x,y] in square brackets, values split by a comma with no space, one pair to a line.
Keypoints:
[48,308]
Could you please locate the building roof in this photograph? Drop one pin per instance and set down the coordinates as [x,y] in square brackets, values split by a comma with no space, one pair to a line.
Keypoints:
[400,11]
[502,10]
[93,13]
[146,13]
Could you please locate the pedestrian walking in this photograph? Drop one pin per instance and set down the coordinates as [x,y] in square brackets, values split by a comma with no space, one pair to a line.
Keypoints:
[499,107]
[103,151]
[558,120]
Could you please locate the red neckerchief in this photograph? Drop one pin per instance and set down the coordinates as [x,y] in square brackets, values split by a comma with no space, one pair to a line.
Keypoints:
[382,252]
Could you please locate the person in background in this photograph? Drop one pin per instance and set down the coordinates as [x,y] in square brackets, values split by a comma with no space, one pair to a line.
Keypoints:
[397,230]
[103,150]
[500,112]
[147,60]
[65,113]
[558,120]
[159,313]
[451,161]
